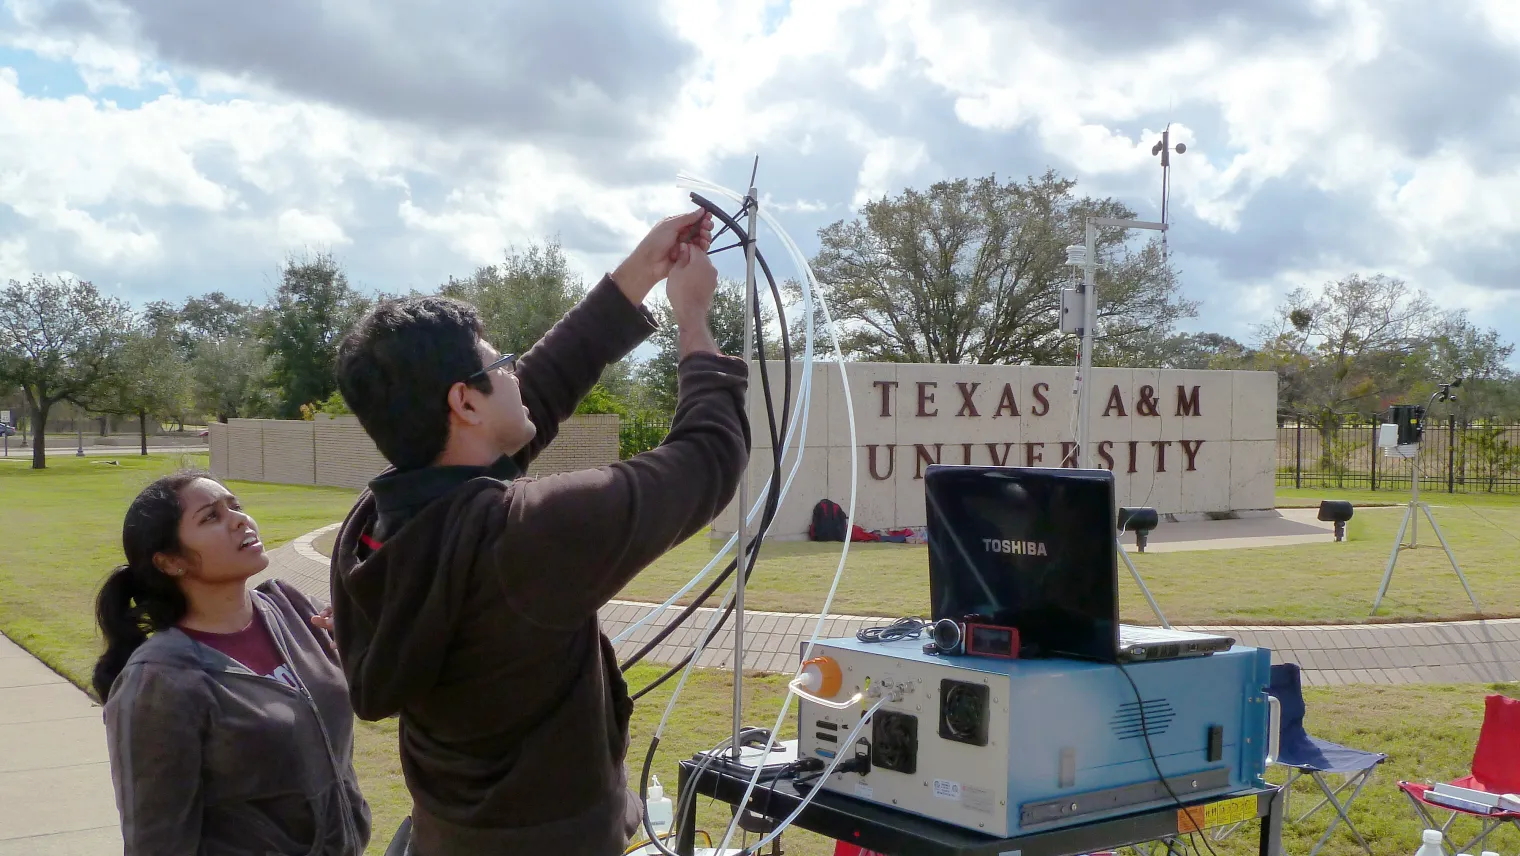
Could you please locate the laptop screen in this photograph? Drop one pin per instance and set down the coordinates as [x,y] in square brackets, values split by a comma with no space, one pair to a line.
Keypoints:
[1031,548]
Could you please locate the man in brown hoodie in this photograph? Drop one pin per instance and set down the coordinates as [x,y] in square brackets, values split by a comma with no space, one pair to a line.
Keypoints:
[465,592]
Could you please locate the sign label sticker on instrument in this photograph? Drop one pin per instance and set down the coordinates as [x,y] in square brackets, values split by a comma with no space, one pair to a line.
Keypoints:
[1216,814]
[976,799]
[947,790]
[863,790]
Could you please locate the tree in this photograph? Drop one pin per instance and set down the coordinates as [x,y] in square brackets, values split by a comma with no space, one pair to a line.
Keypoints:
[971,271]
[521,298]
[151,379]
[660,375]
[211,316]
[312,310]
[1360,340]
[231,378]
[1176,351]
[1458,349]
[59,340]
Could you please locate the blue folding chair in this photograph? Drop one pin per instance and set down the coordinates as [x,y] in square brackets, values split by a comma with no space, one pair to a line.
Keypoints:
[1315,758]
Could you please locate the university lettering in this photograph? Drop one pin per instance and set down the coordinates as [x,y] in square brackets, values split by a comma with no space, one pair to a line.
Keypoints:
[1145,399]
[881,458]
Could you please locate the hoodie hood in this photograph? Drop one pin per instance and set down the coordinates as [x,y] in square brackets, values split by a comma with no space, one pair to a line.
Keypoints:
[174,648]
[401,495]
[395,608]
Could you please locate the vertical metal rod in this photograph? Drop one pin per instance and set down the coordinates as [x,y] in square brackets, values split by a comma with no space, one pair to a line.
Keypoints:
[1089,319]
[1451,453]
[1298,451]
[743,560]
[1414,498]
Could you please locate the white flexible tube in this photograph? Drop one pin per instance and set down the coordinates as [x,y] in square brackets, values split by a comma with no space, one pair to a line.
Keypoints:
[799,417]
[849,740]
[809,285]
[799,413]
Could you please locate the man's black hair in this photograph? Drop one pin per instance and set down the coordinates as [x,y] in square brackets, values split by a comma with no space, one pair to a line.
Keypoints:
[395,370]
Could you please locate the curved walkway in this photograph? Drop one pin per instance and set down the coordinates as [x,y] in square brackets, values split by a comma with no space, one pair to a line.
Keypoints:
[1331,655]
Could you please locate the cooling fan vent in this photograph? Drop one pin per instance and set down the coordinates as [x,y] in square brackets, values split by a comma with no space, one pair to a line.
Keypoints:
[1158,716]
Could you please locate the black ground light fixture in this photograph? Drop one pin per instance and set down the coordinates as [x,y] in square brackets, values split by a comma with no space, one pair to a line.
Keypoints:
[1337,511]
[1140,521]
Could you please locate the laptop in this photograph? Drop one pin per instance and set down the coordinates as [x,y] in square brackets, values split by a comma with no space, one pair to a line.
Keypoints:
[1035,548]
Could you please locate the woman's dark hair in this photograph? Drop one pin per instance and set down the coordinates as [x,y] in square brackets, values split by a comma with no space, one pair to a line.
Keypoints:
[396,367]
[137,598]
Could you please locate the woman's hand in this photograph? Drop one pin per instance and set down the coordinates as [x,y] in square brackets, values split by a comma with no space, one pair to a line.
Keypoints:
[323,619]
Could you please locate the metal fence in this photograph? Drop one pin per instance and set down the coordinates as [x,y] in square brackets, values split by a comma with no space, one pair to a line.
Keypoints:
[640,434]
[1453,457]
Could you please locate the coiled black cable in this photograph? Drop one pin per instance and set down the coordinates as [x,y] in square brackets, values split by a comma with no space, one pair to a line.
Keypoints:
[772,500]
[777,433]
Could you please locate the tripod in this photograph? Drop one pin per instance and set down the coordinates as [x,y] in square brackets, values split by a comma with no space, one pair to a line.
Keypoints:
[1411,523]
[1134,572]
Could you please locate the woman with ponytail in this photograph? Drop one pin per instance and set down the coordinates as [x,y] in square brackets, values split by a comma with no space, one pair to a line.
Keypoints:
[227,715]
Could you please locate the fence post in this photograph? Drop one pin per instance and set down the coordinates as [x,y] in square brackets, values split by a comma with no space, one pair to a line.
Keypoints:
[1298,453]
[1373,452]
[1451,453]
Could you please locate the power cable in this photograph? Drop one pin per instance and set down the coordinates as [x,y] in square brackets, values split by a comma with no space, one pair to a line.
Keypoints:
[809,287]
[773,494]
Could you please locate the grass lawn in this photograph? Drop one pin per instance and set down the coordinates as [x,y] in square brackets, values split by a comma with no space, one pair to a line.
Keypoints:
[60,535]
[1309,497]
[1300,584]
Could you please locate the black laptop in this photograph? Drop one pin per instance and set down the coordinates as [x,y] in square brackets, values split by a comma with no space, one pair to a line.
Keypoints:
[1034,548]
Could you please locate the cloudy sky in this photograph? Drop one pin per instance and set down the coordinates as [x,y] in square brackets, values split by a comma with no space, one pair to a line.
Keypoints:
[165,148]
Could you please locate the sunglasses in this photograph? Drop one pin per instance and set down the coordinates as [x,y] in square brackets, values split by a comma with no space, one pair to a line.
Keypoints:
[507,360]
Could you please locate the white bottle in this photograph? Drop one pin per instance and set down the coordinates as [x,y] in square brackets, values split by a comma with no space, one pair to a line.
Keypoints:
[661,812]
[1431,845]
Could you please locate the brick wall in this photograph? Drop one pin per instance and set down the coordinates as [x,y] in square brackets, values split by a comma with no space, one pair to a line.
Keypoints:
[583,442]
[218,444]
[337,452]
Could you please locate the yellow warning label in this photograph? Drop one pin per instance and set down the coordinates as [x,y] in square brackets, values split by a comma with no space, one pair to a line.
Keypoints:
[1216,814]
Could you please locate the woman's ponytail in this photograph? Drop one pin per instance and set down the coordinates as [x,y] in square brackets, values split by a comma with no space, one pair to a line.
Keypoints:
[138,599]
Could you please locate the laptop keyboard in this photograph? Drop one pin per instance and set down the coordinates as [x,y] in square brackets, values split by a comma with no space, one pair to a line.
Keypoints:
[1143,635]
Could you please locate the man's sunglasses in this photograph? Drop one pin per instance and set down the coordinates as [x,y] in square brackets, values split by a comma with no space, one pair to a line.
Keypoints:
[508,360]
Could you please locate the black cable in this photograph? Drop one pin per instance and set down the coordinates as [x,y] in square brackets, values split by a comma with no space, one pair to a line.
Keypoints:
[902,628]
[1151,750]
[768,513]
[777,433]
[686,799]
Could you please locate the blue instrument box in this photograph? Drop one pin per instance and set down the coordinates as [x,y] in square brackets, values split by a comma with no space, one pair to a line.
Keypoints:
[1009,746]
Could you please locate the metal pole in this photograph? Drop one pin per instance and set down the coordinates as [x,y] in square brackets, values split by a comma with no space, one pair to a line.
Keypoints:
[1414,497]
[1090,322]
[743,560]
[1372,452]
[1298,452]
[1089,319]
[1451,453]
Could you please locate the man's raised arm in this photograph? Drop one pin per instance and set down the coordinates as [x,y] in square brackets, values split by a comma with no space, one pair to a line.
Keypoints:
[560,369]
[571,541]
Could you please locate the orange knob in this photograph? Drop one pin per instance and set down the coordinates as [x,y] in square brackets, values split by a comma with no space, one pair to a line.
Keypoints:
[822,676]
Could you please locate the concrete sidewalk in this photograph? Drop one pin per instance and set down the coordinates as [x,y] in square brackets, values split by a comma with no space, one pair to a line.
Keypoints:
[55,779]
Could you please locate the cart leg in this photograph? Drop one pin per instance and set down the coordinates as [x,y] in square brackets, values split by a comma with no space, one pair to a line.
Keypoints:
[1271,828]
[686,824]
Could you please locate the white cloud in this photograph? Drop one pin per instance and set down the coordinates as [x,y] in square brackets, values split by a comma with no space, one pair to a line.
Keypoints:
[300,228]
[228,169]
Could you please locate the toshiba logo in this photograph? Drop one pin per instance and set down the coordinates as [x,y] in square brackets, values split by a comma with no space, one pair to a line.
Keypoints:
[1017,548]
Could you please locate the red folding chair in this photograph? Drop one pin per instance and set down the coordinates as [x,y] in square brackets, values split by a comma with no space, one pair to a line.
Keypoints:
[1495,770]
